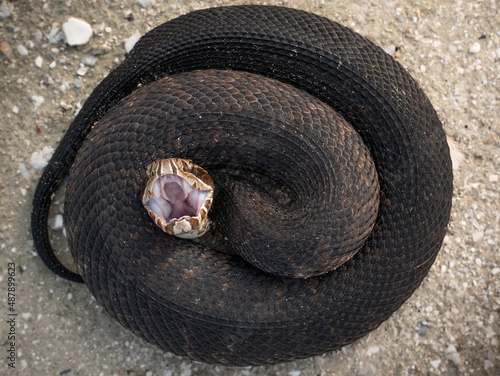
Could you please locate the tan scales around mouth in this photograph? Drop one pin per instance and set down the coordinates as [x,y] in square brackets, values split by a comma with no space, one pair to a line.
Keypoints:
[178,196]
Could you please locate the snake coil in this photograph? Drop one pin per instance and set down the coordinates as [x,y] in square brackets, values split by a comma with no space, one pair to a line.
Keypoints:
[232,89]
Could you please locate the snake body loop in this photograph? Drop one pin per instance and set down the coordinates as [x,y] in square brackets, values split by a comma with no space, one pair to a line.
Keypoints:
[191,89]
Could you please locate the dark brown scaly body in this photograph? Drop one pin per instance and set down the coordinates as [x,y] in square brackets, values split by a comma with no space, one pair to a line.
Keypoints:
[212,306]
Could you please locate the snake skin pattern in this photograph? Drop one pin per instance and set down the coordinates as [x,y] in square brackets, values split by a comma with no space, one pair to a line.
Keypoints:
[182,92]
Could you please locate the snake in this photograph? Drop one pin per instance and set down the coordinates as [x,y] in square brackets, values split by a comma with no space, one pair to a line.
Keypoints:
[331,196]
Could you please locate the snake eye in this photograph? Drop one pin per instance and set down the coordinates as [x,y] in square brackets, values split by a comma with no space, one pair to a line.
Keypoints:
[178,196]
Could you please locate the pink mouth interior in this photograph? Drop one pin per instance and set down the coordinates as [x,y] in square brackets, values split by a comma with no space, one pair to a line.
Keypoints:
[174,197]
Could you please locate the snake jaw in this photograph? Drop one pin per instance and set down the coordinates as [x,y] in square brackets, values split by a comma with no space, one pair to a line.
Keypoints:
[178,196]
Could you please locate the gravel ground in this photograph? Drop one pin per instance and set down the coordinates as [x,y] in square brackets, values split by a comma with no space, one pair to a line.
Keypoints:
[450,326]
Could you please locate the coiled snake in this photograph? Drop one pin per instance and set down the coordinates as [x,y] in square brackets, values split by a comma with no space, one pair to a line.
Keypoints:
[258,96]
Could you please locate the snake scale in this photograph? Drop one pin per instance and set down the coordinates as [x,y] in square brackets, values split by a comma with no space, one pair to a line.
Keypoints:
[286,110]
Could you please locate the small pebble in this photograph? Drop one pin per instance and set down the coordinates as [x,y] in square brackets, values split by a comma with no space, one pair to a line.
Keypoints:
[495,271]
[89,61]
[40,159]
[493,178]
[24,170]
[484,79]
[422,329]
[131,41]
[475,48]
[452,49]
[21,50]
[56,223]
[39,62]
[389,49]
[37,100]
[55,35]
[294,373]
[77,83]
[15,109]
[455,358]
[82,71]
[6,49]
[435,363]
[38,36]
[77,31]
[453,355]
[52,65]
[145,3]
[372,350]
[5,12]
[479,262]
[477,236]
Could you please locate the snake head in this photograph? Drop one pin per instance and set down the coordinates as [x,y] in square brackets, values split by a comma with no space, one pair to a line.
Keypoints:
[178,196]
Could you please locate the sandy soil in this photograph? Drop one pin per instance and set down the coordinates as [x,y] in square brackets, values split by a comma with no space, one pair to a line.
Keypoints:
[450,326]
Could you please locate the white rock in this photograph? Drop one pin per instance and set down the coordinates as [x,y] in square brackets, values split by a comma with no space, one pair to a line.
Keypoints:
[493,178]
[40,159]
[77,83]
[23,51]
[390,49]
[145,3]
[55,35]
[488,364]
[495,271]
[89,61]
[455,358]
[82,71]
[372,350]
[457,157]
[76,31]
[38,36]
[56,223]
[4,11]
[131,41]
[37,100]
[39,62]
[435,363]
[24,170]
[475,48]
[477,236]
[15,109]
[453,355]
[490,332]
[294,373]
